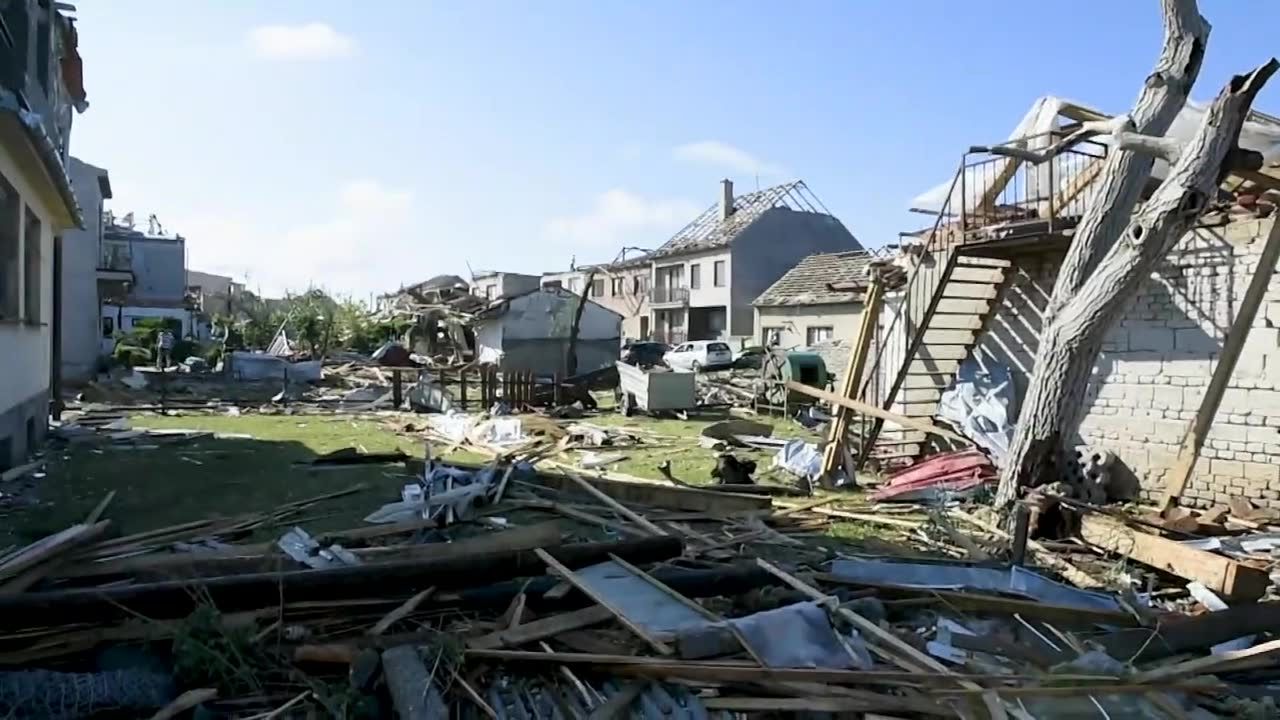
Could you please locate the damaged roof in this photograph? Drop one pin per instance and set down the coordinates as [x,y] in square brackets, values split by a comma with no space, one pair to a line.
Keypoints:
[813,281]
[710,230]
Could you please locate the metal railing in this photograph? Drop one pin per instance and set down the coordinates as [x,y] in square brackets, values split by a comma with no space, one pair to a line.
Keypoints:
[663,295]
[988,190]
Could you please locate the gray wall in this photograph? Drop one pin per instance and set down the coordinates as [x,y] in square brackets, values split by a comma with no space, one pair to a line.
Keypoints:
[546,356]
[159,269]
[80,322]
[550,315]
[770,247]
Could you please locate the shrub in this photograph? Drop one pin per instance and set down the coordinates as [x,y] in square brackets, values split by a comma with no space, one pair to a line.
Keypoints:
[131,355]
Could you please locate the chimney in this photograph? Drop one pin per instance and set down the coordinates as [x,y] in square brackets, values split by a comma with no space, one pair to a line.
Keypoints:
[726,198]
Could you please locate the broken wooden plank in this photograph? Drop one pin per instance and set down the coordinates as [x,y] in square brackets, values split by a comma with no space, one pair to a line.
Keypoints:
[1219,573]
[621,700]
[541,629]
[568,575]
[101,507]
[616,506]
[46,550]
[1220,662]
[1040,553]
[652,494]
[873,411]
[185,702]
[21,471]
[401,612]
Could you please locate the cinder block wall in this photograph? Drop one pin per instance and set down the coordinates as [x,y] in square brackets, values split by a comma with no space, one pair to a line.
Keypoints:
[1157,361]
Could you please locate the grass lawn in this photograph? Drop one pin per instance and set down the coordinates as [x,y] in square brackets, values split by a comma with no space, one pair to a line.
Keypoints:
[212,477]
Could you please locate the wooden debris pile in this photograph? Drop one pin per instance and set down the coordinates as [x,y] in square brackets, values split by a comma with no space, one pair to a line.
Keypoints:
[563,595]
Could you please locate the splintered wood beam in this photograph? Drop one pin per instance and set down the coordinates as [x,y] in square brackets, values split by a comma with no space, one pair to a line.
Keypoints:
[542,629]
[839,427]
[1220,574]
[873,411]
[1193,441]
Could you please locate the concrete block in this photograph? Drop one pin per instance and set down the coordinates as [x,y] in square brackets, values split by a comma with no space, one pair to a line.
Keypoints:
[1265,402]
[1227,468]
[1193,340]
[1167,397]
[1261,472]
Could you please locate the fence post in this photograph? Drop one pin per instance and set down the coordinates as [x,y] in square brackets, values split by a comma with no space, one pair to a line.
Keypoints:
[397,392]
[555,390]
[462,388]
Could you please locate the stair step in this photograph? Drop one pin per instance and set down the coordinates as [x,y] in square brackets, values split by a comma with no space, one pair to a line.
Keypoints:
[943,352]
[898,436]
[917,409]
[964,291]
[925,381]
[963,307]
[943,336]
[955,322]
[933,366]
[981,262]
[921,394]
[963,273]
[893,452]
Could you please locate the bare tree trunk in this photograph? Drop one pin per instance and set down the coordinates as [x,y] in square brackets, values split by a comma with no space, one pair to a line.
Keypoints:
[1071,338]
[571,356]
[1043,421]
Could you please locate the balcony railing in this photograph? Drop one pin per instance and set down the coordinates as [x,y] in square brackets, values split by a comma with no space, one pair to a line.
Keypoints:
[669,296]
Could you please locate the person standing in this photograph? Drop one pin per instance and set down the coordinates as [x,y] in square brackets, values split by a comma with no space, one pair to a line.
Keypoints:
[164,348]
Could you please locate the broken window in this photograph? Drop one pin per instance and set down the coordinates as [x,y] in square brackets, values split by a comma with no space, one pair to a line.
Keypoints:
[10,270]
[597,287]
[818,334]
[718,272]
[32,242]
[615,286]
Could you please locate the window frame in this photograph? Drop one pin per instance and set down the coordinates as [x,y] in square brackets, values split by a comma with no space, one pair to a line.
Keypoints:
[810,330]
[695,276]
[718,278]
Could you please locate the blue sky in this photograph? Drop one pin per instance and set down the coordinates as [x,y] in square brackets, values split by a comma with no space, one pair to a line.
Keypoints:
[359,146]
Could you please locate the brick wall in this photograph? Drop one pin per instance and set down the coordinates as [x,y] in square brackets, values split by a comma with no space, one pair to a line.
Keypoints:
[1156,363]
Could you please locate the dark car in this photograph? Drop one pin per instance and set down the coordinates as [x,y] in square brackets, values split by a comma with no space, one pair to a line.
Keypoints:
[644,354]
[750,357]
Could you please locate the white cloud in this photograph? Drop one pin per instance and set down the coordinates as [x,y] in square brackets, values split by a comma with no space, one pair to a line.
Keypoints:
[309,41]
[356,248]
[723,155]
[620,217]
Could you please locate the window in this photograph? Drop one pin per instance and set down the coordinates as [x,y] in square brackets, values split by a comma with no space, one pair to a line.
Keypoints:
[134,320]
[695,276]
[573,285]
[640,284]
[597,287]
[10,270]
[718,272]
[553,285]
[815,335]
[615,287]
[770,333]
[490,291]
[31,257]
[108,327]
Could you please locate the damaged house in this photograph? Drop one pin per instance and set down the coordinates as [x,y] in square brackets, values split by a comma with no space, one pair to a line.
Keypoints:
[40,90]
[530,332]
[707,275]
[438,312]
[817,304]
[981,276]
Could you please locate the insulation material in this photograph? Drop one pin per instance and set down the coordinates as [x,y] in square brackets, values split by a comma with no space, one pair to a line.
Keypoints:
[47,695]
[981,405]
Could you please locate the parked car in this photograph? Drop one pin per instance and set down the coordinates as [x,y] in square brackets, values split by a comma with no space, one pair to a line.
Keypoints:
[699,354]
[644,354]
[750,357]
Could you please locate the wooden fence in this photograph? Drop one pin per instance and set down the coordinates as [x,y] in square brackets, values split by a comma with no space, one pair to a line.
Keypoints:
[475,388]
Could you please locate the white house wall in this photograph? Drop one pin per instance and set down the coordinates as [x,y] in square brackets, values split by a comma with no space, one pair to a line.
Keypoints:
[24,380]
[794,321]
